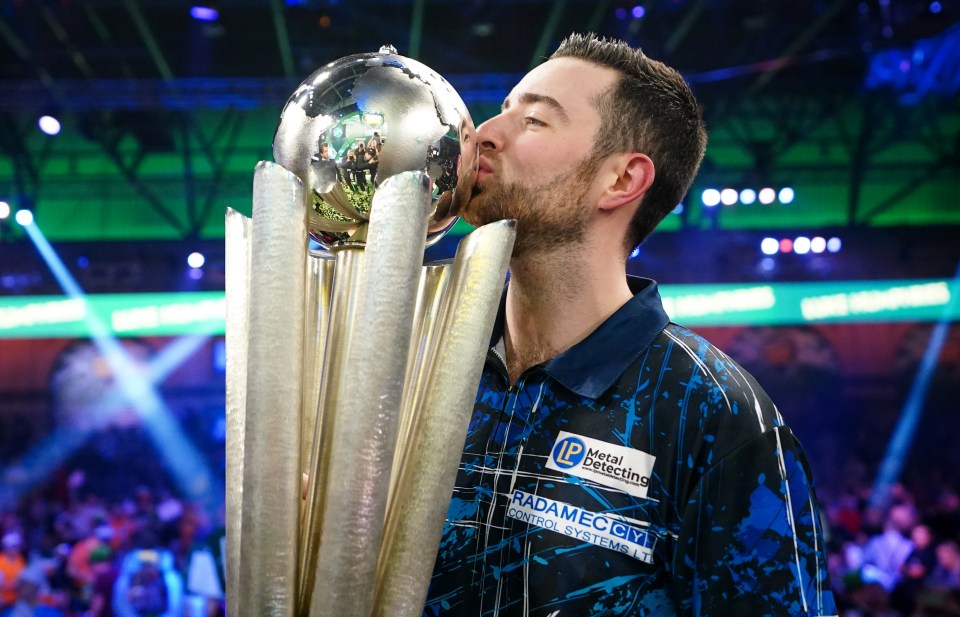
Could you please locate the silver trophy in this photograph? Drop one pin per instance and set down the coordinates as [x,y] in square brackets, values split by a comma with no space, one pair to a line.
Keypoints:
[356,366]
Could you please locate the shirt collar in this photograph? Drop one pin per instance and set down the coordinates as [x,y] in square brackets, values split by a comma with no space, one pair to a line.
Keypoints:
[591,366]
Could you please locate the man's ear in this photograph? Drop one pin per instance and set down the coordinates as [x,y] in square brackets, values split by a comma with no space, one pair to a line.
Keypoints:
[632,174]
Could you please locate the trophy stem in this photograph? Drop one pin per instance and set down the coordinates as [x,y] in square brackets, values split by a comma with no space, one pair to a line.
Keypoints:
[348,263]
[433,285]
[367,409]
[415,521]
[237,266]
[320,269]
[271,482]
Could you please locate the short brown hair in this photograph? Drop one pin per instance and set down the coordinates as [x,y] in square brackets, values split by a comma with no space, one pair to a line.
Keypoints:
[650,110]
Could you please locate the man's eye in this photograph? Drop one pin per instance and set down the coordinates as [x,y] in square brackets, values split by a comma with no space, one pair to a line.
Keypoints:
[531,121]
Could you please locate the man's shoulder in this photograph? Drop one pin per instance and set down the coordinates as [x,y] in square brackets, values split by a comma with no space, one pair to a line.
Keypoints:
[686,375]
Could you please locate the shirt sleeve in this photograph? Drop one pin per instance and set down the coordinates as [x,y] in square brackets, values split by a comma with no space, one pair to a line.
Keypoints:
[750,540]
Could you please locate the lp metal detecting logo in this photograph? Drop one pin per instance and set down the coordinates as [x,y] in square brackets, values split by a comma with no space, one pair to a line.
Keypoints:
[609,464]
[569,452]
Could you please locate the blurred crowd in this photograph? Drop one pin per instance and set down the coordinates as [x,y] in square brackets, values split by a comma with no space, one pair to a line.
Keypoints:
[146,554]
[901,560]
[151,553]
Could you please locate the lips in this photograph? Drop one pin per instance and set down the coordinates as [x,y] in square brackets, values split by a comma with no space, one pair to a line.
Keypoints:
[484,169]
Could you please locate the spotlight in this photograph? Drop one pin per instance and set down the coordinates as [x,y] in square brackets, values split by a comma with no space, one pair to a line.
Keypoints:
[818,245]
[196,274]
[24,218]
[711,197]
[767,264]
[49,125]
[786,195]
[639,11]
[769,246]
[748,196]
[766,196]
[83,262]
[621,13]
[834,245]
[635,252]
[786,245]
[196,260]
[204,13]
[4,210]
[935,8]
[728,197]
[801,245]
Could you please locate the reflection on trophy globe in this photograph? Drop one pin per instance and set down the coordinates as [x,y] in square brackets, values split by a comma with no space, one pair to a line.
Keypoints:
[364,118]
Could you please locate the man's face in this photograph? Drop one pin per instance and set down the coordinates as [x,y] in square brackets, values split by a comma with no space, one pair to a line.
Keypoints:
[535,164]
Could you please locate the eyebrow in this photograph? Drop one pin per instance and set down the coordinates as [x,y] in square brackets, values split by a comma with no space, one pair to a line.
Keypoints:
[529,98]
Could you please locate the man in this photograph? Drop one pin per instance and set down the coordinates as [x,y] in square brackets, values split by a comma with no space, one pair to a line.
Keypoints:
[616,463]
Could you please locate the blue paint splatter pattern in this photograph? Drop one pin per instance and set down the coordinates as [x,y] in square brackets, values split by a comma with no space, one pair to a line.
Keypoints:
[729,508]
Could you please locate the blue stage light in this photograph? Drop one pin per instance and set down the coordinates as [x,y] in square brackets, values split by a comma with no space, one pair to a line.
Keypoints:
[204,13]
[834,245]
[770,246]
[24,217]
[49,125]
[935,8]
[748,196]
[639,11]
[196,260]
[786,195]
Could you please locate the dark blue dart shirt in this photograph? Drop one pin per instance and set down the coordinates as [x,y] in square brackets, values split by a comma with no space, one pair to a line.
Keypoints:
[640,472]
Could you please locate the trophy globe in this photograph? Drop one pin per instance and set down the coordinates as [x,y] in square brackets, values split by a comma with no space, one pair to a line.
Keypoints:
[363,118]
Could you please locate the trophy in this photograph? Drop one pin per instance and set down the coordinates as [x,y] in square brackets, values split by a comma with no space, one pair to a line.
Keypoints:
[354,366]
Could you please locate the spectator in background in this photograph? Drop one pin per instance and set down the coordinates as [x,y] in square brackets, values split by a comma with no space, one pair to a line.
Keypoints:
[885,554]
[12,564]
[104,577]
[27,591]
[946,574]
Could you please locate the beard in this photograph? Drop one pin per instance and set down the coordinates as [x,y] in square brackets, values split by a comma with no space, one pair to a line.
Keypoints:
[549,216]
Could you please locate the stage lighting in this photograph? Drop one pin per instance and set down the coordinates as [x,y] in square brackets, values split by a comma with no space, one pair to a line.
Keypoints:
[767,196]
[4,210]
[769,246]
[621,13]
[639,11]
[818,245]
[801,245]
[786,245]
[935,8]
[786,195]
[748,196]
[196,260]
[711,197]
[635,252]
[49,125]
[728,197]
[204,13]
[834,245]
[24,217]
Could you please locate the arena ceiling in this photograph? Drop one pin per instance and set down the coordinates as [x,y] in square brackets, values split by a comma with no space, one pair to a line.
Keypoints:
[853,103]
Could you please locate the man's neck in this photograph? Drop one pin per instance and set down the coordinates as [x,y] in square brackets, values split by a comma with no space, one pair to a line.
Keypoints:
[556,300]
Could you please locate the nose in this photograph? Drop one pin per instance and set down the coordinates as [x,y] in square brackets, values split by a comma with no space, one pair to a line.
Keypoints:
[490,135]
